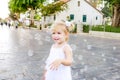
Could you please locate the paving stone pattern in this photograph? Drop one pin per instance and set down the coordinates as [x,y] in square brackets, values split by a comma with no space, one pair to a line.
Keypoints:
[23,53]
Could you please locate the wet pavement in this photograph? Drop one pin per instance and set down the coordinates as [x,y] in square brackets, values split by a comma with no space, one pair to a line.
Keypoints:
[23,52]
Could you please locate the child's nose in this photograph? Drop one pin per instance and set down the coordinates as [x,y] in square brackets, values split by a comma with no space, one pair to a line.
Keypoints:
[56,35]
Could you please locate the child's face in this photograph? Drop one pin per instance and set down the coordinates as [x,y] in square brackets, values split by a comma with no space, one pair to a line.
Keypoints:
[58,36]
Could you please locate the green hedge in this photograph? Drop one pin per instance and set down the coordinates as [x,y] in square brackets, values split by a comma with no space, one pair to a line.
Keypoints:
[97,28]
[86,28]
[106,28]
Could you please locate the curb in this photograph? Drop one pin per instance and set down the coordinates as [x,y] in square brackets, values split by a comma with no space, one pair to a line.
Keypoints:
[105,34]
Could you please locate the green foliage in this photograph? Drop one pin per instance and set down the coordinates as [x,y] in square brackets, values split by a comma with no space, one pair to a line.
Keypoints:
[107,11]
[113,2]
[86,28]
[115,10]
[106,28]
[112,29]
[53,8]
[37,17]
[23,5]
[98,28]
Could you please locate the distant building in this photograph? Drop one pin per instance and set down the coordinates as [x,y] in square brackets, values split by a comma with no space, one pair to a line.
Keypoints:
[79,11]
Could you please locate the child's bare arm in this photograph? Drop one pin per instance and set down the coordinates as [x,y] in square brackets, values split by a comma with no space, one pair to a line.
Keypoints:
[68,54]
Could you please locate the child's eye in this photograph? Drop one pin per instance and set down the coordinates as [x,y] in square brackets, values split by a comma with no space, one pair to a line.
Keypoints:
[53,33]
[59,33]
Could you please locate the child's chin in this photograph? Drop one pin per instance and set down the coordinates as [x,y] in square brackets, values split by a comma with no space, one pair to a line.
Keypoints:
[57,42]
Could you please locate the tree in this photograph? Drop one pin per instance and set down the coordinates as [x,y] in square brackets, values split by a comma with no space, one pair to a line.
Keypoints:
[19,6]
[53,8]
[115,12]
[107,10]
[23,5]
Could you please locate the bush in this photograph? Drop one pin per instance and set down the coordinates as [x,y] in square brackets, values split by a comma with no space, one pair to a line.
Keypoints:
[112,29]
[98,28]
[86,28]
[106,28]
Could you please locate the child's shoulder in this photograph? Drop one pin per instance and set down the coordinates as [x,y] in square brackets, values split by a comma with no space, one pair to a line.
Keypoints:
[67,47]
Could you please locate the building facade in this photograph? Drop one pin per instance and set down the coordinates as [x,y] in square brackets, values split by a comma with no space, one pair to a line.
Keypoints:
[79,11]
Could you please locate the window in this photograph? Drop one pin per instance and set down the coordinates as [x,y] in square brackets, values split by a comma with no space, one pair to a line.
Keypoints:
[54,17]
[84,18]
[78,3]
[71,16]
[96,18]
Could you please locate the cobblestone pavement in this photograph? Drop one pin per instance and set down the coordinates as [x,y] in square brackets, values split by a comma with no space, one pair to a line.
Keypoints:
[23,52]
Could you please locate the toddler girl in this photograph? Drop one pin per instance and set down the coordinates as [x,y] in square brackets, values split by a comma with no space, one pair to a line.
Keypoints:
[60,58]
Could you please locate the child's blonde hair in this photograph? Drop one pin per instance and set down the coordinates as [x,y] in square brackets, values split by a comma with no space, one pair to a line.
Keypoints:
[61,25]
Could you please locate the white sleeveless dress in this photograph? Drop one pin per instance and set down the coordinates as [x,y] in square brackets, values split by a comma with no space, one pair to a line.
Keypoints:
[63,72]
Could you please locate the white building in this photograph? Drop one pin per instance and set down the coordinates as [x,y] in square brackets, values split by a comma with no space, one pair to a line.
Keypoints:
[80,11]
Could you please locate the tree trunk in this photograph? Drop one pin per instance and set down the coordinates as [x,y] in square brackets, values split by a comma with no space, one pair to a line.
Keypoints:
[116,16]
[32,14]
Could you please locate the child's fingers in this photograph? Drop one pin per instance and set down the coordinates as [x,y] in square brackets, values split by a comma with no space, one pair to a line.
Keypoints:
[55,64]
[53,67]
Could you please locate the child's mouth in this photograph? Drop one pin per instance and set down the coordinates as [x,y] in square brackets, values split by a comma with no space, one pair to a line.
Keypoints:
[56,38]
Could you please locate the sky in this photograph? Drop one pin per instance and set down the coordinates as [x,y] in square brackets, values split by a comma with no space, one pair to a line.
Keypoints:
[4,11]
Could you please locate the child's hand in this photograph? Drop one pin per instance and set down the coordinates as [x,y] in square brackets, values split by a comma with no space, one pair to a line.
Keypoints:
[55,64]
